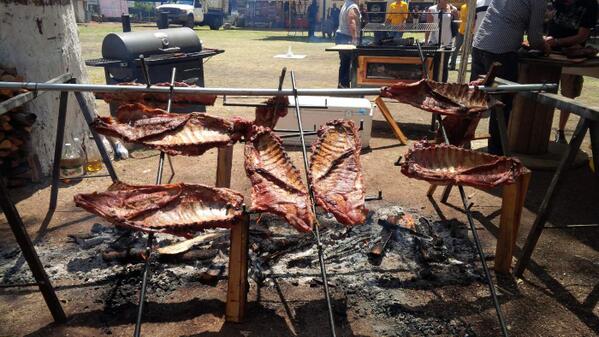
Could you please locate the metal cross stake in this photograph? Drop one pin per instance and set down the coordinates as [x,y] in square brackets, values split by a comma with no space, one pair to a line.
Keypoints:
[478,244]
[148,254]
[323,271]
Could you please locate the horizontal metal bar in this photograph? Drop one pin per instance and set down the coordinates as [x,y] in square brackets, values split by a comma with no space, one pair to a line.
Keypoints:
[17,101]
[560,102]
[241,91]
[292,135]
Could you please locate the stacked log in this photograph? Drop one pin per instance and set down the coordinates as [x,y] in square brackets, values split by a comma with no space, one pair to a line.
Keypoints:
[15,130]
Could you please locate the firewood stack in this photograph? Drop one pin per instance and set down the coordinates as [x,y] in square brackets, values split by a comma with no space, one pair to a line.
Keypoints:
[16,158]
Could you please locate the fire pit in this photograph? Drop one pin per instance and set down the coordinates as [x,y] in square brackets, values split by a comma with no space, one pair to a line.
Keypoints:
[418,258]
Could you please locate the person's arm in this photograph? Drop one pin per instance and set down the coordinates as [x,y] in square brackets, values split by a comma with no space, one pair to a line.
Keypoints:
[587,23]
[389,13]
[404,12]
[535,25]
[354,18]
[582,35]
[429,19]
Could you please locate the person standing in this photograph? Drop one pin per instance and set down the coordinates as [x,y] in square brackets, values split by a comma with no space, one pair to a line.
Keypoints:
[570,26]
[481,10]
[397,13]
[347,33]
[459,38]
[498,39]
[335,17]
[443,14]
[312,14]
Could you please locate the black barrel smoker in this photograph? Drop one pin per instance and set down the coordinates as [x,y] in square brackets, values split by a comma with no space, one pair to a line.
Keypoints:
[162,50]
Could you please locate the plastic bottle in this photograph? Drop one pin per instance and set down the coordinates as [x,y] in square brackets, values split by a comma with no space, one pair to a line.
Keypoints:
[71,160]
[94,159]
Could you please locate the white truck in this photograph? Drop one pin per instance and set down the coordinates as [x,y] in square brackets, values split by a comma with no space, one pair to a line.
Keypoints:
[193,12]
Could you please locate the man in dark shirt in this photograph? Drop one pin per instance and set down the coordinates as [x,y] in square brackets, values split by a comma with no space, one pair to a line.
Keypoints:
[312,14]
[570,26]
[335,17]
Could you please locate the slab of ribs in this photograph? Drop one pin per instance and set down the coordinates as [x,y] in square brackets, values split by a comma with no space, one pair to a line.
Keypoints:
[156,99]
[175,208]
[277,186]
[336,173]
[461,105]
[451,165]
[176,134]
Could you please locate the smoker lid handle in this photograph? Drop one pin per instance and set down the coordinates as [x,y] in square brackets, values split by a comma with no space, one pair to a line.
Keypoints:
[170,50]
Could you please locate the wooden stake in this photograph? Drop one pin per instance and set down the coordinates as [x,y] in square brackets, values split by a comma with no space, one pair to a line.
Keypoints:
[514,196]
[387,114]
[238,271]
[224,165]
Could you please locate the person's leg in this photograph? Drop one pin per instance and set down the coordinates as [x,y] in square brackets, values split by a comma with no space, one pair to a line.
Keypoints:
[344,69]
[344,61]
[478,66]
[445,76]
[459,40]
[508,71]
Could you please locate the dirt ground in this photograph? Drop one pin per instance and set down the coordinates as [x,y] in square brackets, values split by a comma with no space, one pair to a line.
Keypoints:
[558,295]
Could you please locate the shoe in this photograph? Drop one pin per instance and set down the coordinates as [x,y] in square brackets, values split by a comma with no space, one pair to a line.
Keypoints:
[560,137]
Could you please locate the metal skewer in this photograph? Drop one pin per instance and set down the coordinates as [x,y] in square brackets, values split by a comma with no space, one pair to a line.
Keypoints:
[76,87]
[148,252]
[502,324]
[323,271]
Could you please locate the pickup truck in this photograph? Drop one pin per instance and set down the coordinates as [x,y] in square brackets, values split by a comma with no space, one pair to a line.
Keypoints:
[190,13]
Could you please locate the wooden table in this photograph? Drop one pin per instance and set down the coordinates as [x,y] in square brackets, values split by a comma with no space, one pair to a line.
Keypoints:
[529,129]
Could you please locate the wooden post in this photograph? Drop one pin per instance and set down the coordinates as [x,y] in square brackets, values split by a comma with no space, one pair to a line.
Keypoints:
[387,114]
[512,204]
[224,164]
[530,121]
[238,271]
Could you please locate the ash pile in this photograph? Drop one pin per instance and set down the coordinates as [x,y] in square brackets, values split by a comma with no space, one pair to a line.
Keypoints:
[377,266]
[410,253]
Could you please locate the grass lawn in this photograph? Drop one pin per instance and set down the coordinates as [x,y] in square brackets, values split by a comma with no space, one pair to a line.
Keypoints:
[248,59]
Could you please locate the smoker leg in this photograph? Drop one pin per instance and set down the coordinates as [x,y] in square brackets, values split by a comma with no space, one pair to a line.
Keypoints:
[594,132]
[170,165]
[238,271]
[37,269]
[87,114]
[539,224]
[512,203]
[223,166]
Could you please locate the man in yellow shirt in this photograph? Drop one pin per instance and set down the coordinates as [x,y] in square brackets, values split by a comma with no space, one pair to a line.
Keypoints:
[459,38]
[397,13]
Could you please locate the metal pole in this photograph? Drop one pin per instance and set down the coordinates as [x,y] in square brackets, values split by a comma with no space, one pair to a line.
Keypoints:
[543,214]
[478,246]
[37,269]
[87,114]
[504,88]
[323,271]
[467,43]
[144,282]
